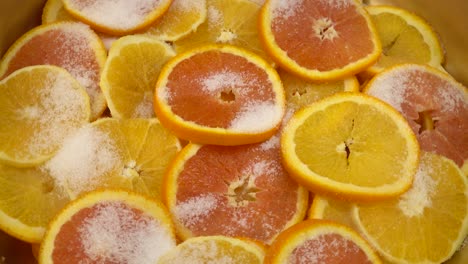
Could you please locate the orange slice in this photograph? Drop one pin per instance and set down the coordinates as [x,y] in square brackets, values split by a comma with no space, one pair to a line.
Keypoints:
[72,46]
[109,227]
[405,38]
[301,93]
[350,146]
[219,95]
[54,11]
[428,223]
[130,75]
[327,208]
[319,241]
[319,40]
[39,107]
[433,103]
[233,191]
[117,17]
[225,25]
[215,249]
[182,18]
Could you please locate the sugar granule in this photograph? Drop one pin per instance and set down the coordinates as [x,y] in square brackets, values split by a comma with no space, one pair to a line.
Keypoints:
[257,116]
[194,209]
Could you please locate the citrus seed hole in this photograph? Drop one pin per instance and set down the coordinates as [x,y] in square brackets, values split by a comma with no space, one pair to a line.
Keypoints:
[226,36]
[227,96]
[47,185]
[241,192]
[425,121]
[324,29]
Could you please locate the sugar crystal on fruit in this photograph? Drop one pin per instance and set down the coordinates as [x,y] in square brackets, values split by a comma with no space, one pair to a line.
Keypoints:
[257,116]
[225,79]
[84,160]
[272,142]
[114,233]
[391,88]
[121,14]
[214,16]
[194,209]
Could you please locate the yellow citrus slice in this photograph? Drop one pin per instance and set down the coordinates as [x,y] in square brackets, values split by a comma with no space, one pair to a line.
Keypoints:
[39,107]
[427,223]
[182,18]
[351,146]
[327,208]
[319,241]
[301,93]
[109,226]
[130,75]
[231,22]
[319,40]
[219,94]
[405,38]
[72,46]
[117,17]
[29,198]
[237,191]
[54,11]
[129,153]
[215,249]
[434,104]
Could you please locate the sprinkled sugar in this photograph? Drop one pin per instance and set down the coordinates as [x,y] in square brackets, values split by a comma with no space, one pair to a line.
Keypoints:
[115,234]
[285,8]
[391,88]
[191,211]
[218,81]
[257,116]
[121,14]
[214,16]
[84,160]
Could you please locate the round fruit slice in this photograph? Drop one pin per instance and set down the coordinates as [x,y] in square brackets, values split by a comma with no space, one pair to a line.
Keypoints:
[433,103]
[109,227]
[405,38]
[231,22]
[319,241]
[234,191]
[301,93]
[72,46]
[351,146]
[29,198]
[129,153]
[427,223]
[130,75]
[54,11]
[39,107]
[117,17]
[327,208]
[215,249]
[182,18]
[319,40]
[220,95]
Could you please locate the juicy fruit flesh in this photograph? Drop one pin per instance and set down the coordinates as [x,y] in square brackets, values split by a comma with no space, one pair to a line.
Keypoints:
[320,26]
[328,248]
[240,190]
[213,87]
[343,141]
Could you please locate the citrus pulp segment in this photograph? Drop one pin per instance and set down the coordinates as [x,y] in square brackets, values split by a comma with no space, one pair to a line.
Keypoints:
[215,249]
[232,191]
[405,38]
[319,39]
[300,92]
[433,103]
[70,45]
[131,154]
[130,73]
[350,146]
[330,209]
[39,107]
[427,223]
[219,94]
[231,22]
[117,17]
[29,199]
[54,11]
[109,226]
[319,241]
[182,18]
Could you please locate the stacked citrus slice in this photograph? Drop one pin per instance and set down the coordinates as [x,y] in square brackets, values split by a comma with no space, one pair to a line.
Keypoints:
[109,227]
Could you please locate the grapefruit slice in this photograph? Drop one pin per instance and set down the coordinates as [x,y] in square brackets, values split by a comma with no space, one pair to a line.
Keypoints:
[72,46]
[221,95]
[350,146]
[433,103]
[319,241]
[215,249]
[39,107]
[319,39]
[234,191]
[117,17]
[109,226]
